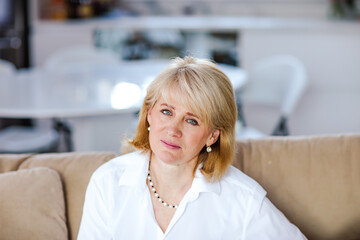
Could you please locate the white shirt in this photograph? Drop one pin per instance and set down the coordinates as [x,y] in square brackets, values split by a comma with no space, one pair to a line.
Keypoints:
[118,206]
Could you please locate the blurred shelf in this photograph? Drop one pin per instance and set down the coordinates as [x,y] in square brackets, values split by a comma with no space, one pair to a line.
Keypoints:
[217,23]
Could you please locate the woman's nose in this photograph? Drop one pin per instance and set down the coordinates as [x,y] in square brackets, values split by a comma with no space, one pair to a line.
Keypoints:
[174,129]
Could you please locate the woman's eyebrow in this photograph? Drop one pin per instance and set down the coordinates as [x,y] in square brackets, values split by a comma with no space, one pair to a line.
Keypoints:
[172,107]
[193,115]
[167,105]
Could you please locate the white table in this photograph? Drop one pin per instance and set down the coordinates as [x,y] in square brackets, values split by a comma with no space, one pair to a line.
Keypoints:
[100,104]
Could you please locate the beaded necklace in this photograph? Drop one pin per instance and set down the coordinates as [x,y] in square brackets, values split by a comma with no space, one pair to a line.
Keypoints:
[157,195]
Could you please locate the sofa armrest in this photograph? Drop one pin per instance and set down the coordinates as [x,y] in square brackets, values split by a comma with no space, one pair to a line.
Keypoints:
[75,170]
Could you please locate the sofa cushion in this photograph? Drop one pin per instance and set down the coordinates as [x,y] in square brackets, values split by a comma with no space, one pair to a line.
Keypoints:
[313,180]
[32,205]
[75,170]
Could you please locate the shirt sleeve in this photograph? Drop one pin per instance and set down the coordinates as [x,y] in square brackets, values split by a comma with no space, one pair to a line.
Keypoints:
[93,223]
[266,222]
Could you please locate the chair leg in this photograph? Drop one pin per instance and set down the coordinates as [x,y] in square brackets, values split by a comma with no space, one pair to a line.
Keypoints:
[241,115]
[281,128]
[64,130]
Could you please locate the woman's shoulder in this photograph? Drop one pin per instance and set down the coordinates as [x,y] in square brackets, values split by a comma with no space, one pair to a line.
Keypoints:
[121,163]
[241,183]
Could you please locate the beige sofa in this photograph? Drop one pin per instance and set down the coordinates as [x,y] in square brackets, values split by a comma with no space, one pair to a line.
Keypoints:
[315,181]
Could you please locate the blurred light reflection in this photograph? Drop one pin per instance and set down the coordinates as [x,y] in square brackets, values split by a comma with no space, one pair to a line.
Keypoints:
[146,84]
[125,95]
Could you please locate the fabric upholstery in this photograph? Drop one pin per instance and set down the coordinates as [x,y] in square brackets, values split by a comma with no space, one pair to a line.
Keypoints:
[11,162]
[313,180]
[75,170]
[126,148]
[32,205]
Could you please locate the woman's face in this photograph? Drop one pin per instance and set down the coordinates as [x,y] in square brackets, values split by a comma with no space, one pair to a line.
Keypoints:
[177,135]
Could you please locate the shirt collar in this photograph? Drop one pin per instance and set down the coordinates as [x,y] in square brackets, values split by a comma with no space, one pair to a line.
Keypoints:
[135,174]
[200,184]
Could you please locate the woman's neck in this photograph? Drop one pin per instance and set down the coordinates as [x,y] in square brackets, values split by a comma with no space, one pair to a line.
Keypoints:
[171,181]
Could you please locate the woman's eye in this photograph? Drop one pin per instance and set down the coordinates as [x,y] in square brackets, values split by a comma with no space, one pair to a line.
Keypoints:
[193,122]
[166,112]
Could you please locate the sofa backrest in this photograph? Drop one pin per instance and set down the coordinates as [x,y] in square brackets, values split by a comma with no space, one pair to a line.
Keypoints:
[314,181]
[11,162]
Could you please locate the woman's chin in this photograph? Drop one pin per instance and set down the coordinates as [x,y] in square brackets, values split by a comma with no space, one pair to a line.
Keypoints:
[168,157]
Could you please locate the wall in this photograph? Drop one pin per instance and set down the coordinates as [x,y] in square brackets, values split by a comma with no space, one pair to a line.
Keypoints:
[329,50]
[261,8]
[332,57]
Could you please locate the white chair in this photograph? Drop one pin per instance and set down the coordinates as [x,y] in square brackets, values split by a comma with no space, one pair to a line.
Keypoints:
[79,56]
[277,82]
[82,64]
[6,68]
[25,139]
[21,139]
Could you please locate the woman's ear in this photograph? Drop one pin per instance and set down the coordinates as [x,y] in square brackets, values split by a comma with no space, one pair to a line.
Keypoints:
[148,116]
[213,137]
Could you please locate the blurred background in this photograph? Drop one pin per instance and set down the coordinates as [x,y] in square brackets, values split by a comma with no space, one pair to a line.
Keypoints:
[324,35]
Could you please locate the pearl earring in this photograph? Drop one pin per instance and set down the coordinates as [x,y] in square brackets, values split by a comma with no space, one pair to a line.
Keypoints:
[208,149]
[149,129]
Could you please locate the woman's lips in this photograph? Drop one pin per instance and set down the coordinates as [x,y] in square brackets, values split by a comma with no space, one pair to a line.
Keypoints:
[170,145]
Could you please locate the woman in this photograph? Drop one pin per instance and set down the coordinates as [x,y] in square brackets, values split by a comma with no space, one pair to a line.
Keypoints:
[181,185]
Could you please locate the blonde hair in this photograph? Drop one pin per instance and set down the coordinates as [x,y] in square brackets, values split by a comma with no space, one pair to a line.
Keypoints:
[206,91]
